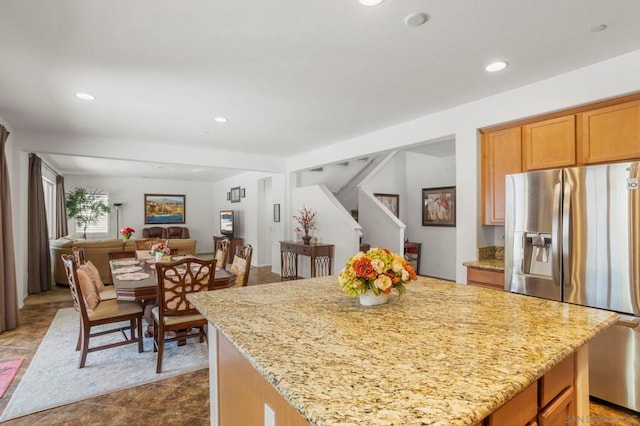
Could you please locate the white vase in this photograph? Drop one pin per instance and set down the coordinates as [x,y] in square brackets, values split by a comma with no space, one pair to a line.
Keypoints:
[158,257]
[368,298]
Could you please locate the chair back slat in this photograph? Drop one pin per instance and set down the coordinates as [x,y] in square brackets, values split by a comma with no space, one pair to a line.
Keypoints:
[241,265]
[221,254]
[177,279]
[69,263]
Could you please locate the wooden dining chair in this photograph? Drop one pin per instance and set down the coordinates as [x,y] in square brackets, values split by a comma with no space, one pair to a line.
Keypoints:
[241,265]
[221,254]
[78,256]
[174,312]
[94,312]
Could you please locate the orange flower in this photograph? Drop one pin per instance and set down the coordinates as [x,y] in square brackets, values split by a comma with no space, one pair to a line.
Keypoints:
[408,266]
[364,269]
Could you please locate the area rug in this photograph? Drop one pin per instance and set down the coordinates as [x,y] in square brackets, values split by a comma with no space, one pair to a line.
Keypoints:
[8,371]
[54,379]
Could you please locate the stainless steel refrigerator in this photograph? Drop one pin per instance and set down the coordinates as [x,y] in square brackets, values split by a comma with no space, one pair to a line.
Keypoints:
[573,235]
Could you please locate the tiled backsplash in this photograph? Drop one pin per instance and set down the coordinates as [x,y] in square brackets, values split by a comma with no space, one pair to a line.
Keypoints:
[491,252]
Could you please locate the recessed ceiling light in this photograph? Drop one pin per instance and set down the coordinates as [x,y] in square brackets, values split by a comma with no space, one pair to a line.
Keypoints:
[220,119]
[416,19]
[370,2]
[598,28]
[85,97]
[496,66]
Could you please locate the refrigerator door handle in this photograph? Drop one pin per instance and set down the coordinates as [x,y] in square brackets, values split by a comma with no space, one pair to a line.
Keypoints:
[627,323]
[566,237]
[556,245]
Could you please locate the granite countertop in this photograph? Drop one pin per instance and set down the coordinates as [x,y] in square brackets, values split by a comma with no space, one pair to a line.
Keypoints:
[443,353]
[490,258]
[489,264]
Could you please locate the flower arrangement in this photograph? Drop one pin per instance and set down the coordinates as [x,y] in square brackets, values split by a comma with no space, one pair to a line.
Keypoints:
[306,218]
[377,270]
[126,232]
[160,248]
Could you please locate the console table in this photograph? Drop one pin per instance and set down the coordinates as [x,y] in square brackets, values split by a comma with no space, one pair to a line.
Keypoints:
[321,259]
[412,253]
[233,243]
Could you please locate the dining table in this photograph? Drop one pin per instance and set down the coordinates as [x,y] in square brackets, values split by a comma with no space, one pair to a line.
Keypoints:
[136,280]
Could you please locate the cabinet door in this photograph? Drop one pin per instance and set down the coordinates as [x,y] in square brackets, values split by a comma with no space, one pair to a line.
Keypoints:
[520,410]
[610,133]
[550,143]
[561,409]
[484,278]
[501,155]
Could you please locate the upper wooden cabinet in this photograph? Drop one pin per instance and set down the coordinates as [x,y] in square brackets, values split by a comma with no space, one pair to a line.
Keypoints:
[610,134]
[501,155]
[604,131]
[550,143]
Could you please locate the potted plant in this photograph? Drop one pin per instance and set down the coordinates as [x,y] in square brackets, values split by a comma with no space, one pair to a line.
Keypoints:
[85,207]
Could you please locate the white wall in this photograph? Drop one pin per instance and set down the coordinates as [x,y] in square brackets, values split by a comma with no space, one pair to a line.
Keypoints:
[333,224]
[249,212]
[438,255]
[200,216]
[606,79]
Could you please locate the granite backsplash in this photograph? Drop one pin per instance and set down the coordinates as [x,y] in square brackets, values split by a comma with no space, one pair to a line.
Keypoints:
[491,252]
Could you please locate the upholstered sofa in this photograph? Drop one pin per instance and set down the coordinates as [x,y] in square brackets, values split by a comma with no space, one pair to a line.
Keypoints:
[97,251]
[168,233]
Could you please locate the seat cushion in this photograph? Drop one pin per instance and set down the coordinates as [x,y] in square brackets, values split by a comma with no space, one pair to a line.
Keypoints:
[176,319]
[88,288]
[239,267]
[114,308]
[108,293]
[93,271]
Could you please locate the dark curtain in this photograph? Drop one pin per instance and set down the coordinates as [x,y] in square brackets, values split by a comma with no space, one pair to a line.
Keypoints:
[61,211]
[38,260]
[8,289]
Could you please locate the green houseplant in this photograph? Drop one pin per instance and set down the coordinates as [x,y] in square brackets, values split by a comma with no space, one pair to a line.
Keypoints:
[85,207]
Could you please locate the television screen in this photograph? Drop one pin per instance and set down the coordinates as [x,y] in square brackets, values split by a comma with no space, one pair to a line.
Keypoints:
[226,222]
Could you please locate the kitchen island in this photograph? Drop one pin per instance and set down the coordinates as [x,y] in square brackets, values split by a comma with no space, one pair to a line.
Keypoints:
[443,353]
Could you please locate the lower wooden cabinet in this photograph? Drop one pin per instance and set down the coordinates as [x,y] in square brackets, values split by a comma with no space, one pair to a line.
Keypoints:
[550,401]
[560,411]
[485,278]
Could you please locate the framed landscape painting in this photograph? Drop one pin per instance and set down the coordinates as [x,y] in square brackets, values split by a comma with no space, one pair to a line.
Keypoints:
[390,201]
[439,206]
[164,208]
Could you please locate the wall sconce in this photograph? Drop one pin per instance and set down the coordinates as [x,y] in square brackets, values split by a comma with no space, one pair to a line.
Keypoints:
[228,196]
[242,193]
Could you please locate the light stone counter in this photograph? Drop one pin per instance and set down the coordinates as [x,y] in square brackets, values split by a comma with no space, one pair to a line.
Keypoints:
[489,264]
[443,353]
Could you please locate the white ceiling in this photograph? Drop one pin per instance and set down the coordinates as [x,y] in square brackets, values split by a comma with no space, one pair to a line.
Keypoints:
[290,75]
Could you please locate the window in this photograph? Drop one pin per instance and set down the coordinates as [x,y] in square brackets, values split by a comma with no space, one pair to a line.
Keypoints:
[49,189]
[101,227]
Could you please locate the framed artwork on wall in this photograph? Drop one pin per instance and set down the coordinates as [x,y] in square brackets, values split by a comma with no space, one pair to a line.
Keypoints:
[164,208]
[439,206]
[235,194]
[390,201]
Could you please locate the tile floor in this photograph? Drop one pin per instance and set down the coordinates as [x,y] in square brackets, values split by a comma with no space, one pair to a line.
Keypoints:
[182,400]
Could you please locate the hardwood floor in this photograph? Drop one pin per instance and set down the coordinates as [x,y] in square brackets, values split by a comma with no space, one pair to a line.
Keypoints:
[182,400]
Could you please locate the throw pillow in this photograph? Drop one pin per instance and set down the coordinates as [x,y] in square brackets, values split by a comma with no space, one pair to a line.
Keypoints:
[238,267]
[95,275]
[88,289]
